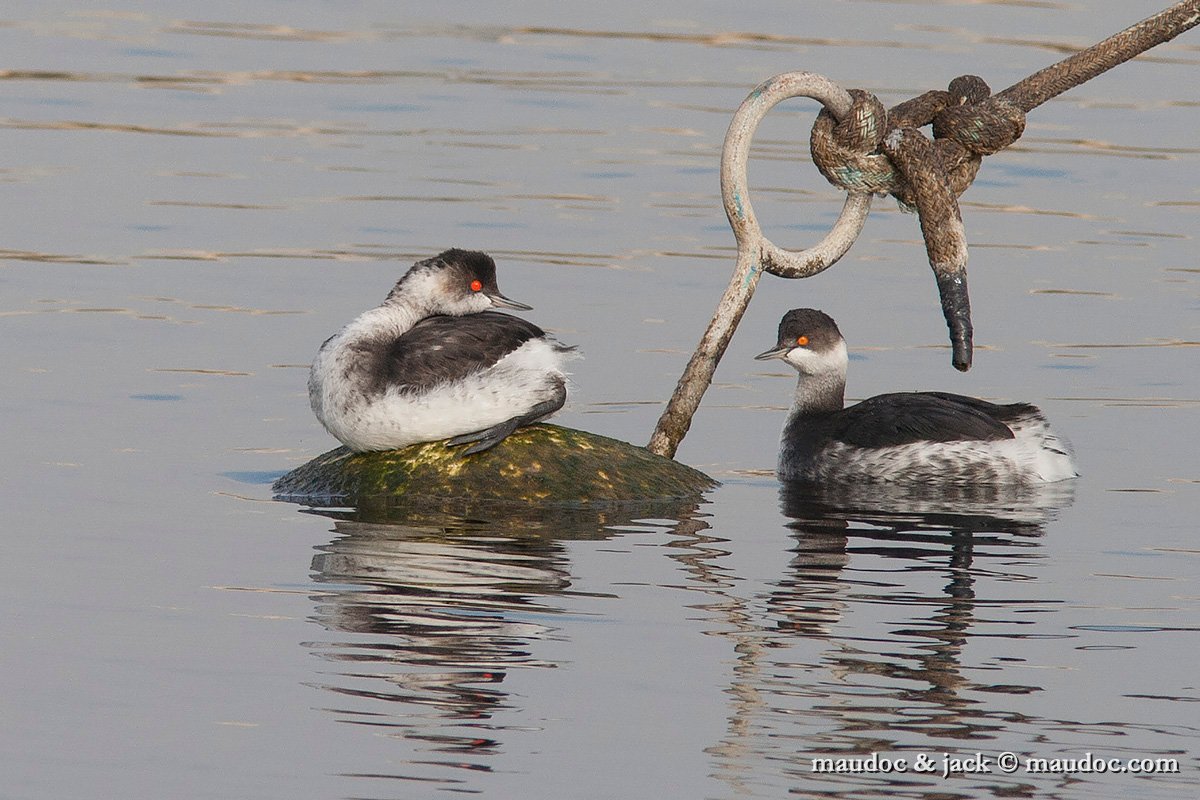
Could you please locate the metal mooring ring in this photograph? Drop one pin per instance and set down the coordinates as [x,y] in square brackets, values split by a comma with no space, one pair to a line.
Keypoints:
[735,191]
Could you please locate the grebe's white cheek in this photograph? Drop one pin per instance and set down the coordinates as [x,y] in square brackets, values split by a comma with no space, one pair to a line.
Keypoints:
[812,362]
[480,302]
[799,358]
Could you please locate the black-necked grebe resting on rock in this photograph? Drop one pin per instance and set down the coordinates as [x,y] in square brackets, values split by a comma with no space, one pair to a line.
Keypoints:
[432,363]
[909,437]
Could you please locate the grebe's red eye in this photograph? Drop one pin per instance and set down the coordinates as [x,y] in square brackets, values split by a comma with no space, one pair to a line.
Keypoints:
[476,285]
[801,340]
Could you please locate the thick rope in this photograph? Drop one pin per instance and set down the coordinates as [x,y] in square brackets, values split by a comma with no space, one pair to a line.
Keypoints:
[865,149]
[880,151]
[1117,49]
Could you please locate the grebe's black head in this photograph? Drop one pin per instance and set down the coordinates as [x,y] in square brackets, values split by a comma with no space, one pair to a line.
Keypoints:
[455,282]
[810,341]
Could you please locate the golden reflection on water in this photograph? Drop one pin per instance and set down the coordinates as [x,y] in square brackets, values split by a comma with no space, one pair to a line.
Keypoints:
[1011,208]
[234,206]
[203,371]
[1059,48]
[1076,292]
[1122,345]
[53,258]
[1137,402]
[78,125]
[61,306]
[1079,146]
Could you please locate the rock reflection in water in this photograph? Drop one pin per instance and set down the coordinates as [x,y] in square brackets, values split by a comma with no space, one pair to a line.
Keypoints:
[431,610]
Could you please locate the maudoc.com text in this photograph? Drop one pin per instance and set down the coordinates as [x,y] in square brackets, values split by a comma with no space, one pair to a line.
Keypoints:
[951,764]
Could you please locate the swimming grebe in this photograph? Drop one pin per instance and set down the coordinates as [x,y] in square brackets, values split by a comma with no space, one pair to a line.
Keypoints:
[912,437]
[433,363]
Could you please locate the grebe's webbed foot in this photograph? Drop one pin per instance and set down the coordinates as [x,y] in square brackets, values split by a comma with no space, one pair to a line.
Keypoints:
[490,437]
[485,439]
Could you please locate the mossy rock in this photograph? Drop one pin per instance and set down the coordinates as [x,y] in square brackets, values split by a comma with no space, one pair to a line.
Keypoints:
[540,465]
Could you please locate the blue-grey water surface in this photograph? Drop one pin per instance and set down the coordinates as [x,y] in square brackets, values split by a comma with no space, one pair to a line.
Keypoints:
[194,196]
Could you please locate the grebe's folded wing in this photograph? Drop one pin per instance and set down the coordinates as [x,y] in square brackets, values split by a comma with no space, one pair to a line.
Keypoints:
[443,349]
[909,417]
[1007,413]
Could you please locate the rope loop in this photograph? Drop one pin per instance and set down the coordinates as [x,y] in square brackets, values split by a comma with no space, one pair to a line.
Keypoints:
[735,189]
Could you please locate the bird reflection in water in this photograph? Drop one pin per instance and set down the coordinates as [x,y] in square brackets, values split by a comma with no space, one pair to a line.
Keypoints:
[854,650]
[453,604]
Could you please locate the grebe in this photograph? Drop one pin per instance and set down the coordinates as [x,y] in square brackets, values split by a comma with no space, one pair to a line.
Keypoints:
[433,363]
[910,437]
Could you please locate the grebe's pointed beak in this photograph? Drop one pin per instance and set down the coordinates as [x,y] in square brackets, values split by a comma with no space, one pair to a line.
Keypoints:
[500,301]
[774,352]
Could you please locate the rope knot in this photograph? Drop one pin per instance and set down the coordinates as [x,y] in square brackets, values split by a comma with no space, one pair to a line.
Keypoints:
[981,123]
[847,151]
[968,124]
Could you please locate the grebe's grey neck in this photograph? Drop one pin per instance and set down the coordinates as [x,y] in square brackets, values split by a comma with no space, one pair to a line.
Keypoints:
[810,341]
[454,283]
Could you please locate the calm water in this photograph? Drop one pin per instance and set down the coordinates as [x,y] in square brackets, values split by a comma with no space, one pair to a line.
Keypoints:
[193,197]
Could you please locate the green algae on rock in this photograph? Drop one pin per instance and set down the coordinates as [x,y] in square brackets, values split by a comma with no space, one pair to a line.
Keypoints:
[540,465]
